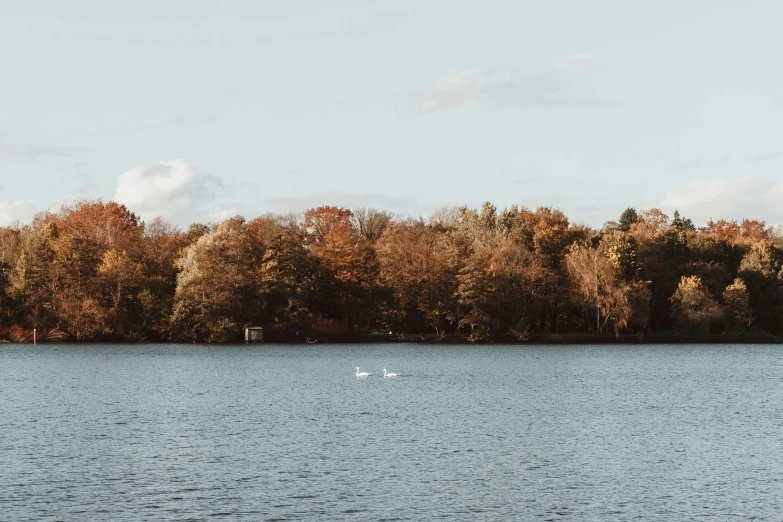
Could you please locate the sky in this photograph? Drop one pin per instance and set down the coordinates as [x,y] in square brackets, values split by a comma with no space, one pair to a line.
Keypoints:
[202,109]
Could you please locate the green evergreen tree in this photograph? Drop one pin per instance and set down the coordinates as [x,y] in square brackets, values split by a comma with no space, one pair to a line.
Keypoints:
[627,218]
[682,224]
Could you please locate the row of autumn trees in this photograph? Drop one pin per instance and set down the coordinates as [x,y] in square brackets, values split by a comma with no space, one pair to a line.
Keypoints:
[94,271]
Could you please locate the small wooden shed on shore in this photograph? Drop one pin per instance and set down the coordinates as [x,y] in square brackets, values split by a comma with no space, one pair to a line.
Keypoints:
[254,334]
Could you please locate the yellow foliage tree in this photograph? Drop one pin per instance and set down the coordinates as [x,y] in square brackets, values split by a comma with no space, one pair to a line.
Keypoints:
[694,308]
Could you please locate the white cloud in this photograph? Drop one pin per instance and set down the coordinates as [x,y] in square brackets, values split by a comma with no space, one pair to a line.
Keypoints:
[734,198]
[455,89]
[11,211]
[171,189]
[224,212]
[505,84]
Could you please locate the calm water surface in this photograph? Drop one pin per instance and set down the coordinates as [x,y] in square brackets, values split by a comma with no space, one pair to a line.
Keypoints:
[270,432]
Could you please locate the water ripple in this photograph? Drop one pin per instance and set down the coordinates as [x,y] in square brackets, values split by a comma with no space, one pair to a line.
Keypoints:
[166,432]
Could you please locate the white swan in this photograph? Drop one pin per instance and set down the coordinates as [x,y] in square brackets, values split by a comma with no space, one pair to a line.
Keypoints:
[362,374]
[390,374]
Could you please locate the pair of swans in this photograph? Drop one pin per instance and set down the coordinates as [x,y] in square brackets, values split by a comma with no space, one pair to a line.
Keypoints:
[367,374]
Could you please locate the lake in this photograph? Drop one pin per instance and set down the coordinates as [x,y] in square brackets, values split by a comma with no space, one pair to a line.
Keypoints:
[488,432]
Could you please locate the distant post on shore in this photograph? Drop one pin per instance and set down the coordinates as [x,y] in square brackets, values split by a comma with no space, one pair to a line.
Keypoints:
[35,336]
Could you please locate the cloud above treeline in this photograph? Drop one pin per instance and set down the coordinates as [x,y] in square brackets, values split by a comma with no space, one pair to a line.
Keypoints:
[12,211]
[172,190]
[729,198]
[224,212]
[506,85]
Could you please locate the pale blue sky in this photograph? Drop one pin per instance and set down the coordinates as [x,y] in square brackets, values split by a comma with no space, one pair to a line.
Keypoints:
[256,106]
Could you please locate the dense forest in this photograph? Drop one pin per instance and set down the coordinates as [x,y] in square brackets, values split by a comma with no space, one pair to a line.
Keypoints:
[94,271]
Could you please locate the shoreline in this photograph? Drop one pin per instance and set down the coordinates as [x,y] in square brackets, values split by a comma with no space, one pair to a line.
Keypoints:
[553,340]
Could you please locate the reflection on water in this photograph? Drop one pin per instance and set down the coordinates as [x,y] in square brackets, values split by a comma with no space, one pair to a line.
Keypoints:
[171,432]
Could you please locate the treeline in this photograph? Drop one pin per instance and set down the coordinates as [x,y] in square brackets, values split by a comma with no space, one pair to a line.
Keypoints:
[94,272]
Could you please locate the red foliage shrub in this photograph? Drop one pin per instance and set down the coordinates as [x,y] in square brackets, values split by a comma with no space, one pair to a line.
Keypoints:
[17,334]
